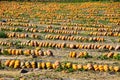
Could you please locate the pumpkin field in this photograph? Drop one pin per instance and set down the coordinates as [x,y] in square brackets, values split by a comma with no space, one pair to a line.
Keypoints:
[59,41]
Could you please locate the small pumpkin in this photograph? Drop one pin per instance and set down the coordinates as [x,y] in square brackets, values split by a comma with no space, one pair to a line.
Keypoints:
[74,66]
[48,65]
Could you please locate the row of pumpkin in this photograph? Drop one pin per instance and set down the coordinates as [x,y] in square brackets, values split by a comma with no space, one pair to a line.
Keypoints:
[34,43]
[65,28]
[17,64]
[17,24]
[18,29]
[27,52]
[114,34]
[62,28]
[59,31]
[71,46]
[107,55]
[72,38]
[38,52]
[91,29]
[21,35]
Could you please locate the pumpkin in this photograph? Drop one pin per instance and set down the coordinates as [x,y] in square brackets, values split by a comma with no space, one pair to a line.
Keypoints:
[22,65]
[95,66]
[85,67]
[39,65]
[71,46]
[41,53]
[74,66]
[89,66]
[57,64]
[106,68]
[117,47]
[80,55]
[33,64]
[45,53]
[63,45]
[43,65]
[110,55]
[17,64]
[70,54]
[101,68]
[48,65]
[111,68]
[17,52]
[13,51]
[12,62]
[116,68]
[85,53]
[54,66]
[79,66]
[111,47]
[73,54]
[68,65]
[27,65]
[7,62]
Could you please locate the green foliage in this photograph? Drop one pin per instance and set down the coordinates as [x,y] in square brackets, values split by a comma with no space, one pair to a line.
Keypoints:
[105,57]
[117,57]
[2,34]
[5,52]
[18,30]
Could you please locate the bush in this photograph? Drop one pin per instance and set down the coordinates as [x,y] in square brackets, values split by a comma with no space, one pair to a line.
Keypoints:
[2,34]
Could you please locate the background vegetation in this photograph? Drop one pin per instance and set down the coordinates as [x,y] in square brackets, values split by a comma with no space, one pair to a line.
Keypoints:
[64,0]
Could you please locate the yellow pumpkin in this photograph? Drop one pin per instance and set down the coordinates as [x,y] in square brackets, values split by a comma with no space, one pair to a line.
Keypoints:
[111,68]
[106,68]
[39,65]
[85,67]
[69,65]
[70,54]
[12,62]
[43,65]
[101,68]
[27,65]
[116,68]
[17,64]
[74,54]
[74,66]
[85,53]
[33,64]
[95,66]
[48,65]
